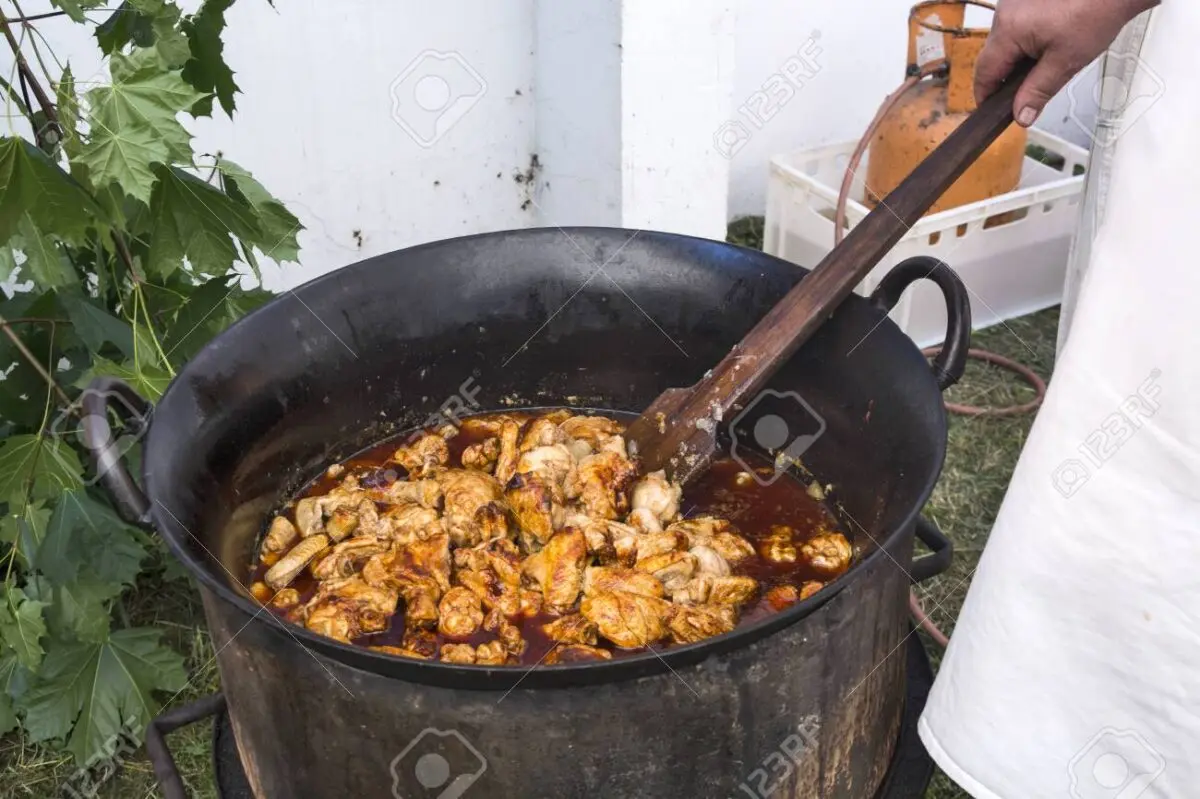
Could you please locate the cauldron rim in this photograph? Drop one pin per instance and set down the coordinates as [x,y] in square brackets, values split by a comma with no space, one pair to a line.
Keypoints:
[436,673]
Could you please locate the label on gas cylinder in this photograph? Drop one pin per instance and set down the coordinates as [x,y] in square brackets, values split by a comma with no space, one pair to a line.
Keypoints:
[931,44]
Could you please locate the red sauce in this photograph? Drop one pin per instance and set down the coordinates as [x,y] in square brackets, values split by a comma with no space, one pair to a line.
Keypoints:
[751,506]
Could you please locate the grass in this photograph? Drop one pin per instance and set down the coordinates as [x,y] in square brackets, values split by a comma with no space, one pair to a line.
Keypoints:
[982,453]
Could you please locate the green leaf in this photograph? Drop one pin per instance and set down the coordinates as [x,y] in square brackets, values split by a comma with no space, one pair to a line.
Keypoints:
[46,464]
[24,528]
[8,715]
[148,381]
[133,122]
[97,691]
[124,156]
[78,611]
[195,323]
[279,226]
[87,539]
[124,26]
[68,111]
[75,8]
[195,220]
[22,627]
[207,70]
[8,261]
[45,262]
[31,184]
[96,326]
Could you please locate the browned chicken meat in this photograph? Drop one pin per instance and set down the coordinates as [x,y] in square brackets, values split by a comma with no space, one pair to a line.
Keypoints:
[478,551]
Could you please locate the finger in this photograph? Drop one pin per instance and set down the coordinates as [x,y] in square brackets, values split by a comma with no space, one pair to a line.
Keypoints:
[995,63]
[1047,78]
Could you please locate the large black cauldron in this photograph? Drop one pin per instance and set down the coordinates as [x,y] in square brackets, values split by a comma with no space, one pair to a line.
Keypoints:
[807,702]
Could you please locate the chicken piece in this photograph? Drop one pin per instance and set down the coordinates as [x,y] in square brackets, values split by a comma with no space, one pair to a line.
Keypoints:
[506,461]
[810,587]
[474,506]
[595,533]
[598,579]
[783,596]
[542,432]
[423,456]
[578,448]
[422,562]
[644,520]
[573,629]
[408,522]
[695,591]
[424,642]
[488,424]
[696,622]
[716,533]
[605,478]
[657,494]
[345,609]
[346,559]
[709,561]
[291,564]
[262,592]
[458,653]
[530,603]
[368,520]
[492,571]
[310,519]
[399,652]
[507,633]
[628,620]
[426,493]
[575,653]
[555,464]
[828,553]
[732,590]
[493,653]
[732,547]
[459,613]
[280,537]
[335,470]
[779,546]
[482,456]
[625,542]
[672,569]
[558,569]
[537,506]
[595,430]
[341,523]
[655,544]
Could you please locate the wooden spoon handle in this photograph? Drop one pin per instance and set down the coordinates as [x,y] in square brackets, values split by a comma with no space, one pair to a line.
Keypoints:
[798,315]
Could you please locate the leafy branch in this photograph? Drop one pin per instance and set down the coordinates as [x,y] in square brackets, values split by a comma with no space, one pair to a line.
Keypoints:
[128,261]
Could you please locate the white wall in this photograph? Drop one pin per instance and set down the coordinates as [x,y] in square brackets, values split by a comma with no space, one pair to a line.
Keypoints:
[624,102]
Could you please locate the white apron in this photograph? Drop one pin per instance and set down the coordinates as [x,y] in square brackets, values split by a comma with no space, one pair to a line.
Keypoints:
[1074,668]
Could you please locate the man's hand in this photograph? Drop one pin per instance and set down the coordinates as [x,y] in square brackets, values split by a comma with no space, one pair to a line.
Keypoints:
[1064,36]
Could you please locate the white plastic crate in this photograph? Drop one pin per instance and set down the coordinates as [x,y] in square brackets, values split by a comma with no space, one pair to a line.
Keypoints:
[1012,265]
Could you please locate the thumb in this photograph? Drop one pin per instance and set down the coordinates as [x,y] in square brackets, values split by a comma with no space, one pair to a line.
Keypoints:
[1048,76]
[995,63]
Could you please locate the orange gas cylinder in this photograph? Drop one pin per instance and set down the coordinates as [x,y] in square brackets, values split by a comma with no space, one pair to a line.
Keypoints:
[940,46]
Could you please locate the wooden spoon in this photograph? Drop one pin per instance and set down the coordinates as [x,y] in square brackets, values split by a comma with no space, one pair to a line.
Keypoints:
[678,431]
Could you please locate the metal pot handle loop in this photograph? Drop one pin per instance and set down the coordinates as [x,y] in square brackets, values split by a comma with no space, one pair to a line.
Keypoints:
[948,366]
[107,450]
[940,557]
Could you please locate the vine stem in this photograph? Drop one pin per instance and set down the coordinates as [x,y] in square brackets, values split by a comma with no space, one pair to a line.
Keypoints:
[5,325]
[43,99]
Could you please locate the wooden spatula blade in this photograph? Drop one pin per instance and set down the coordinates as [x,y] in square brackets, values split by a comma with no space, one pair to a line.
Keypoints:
[688,451]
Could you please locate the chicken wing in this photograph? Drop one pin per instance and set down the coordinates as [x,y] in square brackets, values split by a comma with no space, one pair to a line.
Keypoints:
[709,561]
[628,620]
[346,558]
[537,505]
[474,505]
[657,494]
[595,430]
[482,456]
[672,569]
[692,623]
[492,571]
[597,579]
[280,537]
[291,564]
[572,629]
[605,479]
[426,493]
[555,464]
[506,461]
[348,608]
[575,653]
[558,569]
[828,553]
[423,456]
[409,522]
[541,432]
[506,632]
[732,590]
[459,613]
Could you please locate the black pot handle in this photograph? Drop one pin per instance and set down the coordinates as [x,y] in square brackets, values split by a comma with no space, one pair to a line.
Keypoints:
[107,450]
[949,364]
[161,759]
[939,559]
